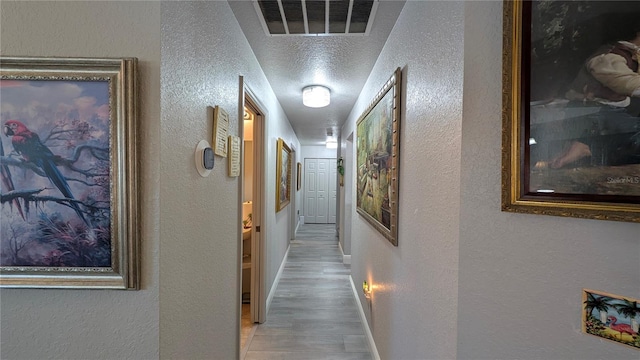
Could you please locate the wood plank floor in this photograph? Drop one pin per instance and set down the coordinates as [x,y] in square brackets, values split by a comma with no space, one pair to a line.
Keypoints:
[313,314]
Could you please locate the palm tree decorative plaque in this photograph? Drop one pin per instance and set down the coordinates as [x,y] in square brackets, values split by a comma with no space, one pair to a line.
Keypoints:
[617,319]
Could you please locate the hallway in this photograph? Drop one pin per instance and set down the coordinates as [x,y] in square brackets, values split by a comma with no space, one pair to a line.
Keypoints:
[313,314]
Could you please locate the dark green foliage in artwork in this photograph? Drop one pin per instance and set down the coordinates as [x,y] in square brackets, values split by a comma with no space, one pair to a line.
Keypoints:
[565,33]
[71,245]
[628,308]
[594,326]
[600,303]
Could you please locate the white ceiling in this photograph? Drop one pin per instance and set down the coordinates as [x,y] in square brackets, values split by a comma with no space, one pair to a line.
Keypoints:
[341,63]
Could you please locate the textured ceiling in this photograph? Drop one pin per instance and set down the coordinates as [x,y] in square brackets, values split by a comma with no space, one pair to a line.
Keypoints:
[341,63]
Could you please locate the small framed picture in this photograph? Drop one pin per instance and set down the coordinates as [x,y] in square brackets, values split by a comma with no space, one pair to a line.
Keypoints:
[611,317]
[299,177]
[283,175]
[220,131]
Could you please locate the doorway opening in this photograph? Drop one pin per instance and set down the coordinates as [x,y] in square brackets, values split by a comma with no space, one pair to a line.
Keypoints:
[251,216]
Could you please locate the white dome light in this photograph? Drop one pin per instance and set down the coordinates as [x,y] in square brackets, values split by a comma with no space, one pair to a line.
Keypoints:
[316,96]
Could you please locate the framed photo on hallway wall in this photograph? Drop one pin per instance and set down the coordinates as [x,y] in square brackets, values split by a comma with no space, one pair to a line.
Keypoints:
[68,165]
[611,317]
[571,109]
[299,177]
[378,153]
[283,175]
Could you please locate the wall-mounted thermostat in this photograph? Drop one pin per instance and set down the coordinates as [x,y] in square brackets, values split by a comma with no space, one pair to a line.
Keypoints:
[204,158]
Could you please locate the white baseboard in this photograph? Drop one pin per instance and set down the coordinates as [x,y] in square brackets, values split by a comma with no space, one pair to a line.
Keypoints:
[346,259]
[363,318]
[272,292]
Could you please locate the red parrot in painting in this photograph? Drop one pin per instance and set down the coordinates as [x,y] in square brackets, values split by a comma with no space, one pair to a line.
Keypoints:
[7,181]
[28,144]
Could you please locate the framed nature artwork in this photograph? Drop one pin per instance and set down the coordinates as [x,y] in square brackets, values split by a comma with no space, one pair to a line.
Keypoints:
[283,175]
[611,317]
[69,190]
[571,109]
[378,153]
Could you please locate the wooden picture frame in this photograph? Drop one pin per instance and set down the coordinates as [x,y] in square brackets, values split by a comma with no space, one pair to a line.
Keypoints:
[611,317]
[378,154]
[69,190]
[568,149]
[283,175]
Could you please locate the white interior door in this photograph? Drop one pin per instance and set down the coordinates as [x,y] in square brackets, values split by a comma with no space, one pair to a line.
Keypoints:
[333,190]
[320,191]
[258,297]
[310,190]
[322,186]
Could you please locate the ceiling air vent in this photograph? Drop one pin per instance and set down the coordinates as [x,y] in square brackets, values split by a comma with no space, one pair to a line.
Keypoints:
[316,17]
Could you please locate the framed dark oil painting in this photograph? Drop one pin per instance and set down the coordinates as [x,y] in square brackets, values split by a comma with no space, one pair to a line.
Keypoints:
[69,201]
[571,109]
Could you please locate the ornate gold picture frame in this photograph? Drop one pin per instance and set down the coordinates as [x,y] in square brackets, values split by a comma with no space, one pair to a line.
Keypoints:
[69,193]
[570,144]
[283,175]
[378,154]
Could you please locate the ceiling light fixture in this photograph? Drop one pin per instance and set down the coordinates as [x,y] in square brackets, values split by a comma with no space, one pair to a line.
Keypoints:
[316,96]
[332,142]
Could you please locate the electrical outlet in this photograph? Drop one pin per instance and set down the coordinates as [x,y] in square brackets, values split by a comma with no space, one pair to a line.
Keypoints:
[366,289]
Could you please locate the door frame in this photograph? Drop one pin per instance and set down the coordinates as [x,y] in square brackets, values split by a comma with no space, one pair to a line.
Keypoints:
[333,181]
[347,193]
[293,218]
[258,296]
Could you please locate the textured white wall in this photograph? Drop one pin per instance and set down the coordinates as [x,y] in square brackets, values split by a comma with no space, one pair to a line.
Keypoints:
[414,304]
[343,237]
[318,151]
[277,223]
[203,55]
[346,195]
[521,276]
[92,324]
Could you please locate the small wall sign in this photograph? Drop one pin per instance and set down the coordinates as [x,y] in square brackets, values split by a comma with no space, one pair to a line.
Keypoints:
[234,156]
[612,317]
[220,131]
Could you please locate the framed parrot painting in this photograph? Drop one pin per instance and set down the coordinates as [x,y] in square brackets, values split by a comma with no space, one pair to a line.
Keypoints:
[68,189]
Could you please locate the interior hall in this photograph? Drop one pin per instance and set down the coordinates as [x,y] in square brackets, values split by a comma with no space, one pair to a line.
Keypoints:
[249,266]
